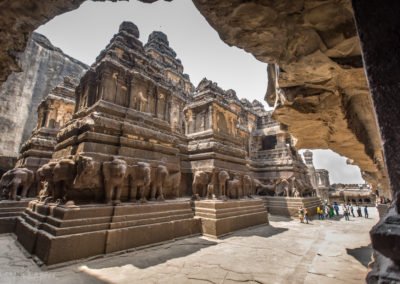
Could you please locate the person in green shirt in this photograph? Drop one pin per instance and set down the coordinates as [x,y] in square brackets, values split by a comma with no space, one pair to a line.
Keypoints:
[331,212]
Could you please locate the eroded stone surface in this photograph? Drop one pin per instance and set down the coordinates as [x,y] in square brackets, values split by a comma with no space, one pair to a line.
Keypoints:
[333,251]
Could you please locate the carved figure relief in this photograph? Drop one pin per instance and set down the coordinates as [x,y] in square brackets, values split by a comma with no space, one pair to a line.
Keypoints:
[173,184]
[158,183]
[63,177]
[282,188]
[247,186]
[234,187]
[200,182]
[139,181]
[263,189]
[141,101]
[223,176]
[88,173]
[114,173]
[45,177]
[213,185]
[221,123]
[161,104]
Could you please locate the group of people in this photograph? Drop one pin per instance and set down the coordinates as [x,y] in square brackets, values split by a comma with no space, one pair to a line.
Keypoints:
[303,215]
[329,211]
[349,209]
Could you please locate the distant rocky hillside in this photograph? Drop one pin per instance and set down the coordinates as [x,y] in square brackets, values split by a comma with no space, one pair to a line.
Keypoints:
[44,67]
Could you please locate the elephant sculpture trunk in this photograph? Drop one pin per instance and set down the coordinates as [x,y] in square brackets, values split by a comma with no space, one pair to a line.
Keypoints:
[161,176]
[139,179]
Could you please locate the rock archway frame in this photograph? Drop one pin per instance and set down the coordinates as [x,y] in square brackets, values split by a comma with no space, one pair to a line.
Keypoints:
[316,75]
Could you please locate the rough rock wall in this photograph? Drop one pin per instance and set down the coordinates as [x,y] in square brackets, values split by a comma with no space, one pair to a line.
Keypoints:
[44,67]
[316,82]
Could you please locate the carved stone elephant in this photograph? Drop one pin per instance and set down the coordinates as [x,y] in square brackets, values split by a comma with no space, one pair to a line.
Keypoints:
[263,189]
[45,180]
[213,185]
[307,189]
[247,186]
[158,182]
[139,178]
[200,182]
[234,187]
[173,183]
[15,179]
[113,173]
[88,173]
[64,173]
[223,176]
[5,183]
[301,188]
[282,188]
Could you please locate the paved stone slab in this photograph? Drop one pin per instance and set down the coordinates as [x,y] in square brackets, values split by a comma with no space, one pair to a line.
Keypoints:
[330,251]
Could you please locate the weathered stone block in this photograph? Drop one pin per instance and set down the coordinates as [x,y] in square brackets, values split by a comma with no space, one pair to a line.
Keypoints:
[57,234]
[219,218]
[289,206]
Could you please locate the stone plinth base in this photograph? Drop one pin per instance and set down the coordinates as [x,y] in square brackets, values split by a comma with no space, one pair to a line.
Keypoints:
[9,212]
[219,218]
[289,206]
[57,234]
[382,209]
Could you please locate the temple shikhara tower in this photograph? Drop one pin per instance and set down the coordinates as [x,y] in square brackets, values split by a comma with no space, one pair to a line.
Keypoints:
[135,155]
[53,113]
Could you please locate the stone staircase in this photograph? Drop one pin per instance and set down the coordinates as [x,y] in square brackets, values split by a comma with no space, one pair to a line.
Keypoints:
[9,212]
[56,234]
[219,218]
[289,206]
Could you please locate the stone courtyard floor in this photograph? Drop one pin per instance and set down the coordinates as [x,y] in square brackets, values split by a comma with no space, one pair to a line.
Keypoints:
[330,251]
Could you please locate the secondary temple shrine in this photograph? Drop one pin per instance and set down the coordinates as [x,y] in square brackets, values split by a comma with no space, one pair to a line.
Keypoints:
[136,155]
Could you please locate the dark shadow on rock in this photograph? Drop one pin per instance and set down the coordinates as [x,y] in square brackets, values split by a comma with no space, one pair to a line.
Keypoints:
[153,256]
[362,254]
[264,231]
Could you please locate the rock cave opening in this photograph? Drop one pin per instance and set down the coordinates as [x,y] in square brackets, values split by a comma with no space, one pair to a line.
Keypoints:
[113,151]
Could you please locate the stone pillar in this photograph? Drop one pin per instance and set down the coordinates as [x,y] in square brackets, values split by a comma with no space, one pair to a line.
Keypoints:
[167,107]
[193,123]
[280,140]
[46,118]
[210,117]
[378,26]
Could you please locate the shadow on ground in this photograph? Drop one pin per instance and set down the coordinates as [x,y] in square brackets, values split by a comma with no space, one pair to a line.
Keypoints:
[264,231]
[333,218]
[277,218]
[153,256]
[362,254]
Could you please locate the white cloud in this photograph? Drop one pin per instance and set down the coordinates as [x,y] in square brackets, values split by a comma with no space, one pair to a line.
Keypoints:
[339,170]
